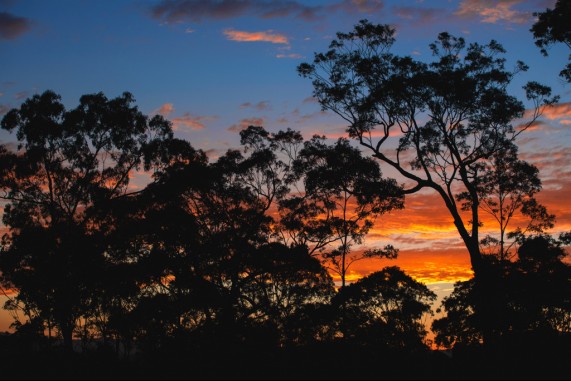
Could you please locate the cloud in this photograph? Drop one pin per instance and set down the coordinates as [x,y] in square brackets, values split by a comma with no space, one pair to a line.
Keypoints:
[267,36]
[12,27]
[165,110]
[4,109]
[425,265]
[291,55]
[260,106]
[189,121]
[244,123]
[419,16]
[557,111]
[176,11]
[493,11]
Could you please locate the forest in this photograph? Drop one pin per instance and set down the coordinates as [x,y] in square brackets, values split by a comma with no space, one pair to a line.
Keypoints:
[224,267]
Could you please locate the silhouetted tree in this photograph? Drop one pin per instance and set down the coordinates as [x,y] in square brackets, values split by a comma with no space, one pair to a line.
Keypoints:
[326,194]
[449,117]
[67,164]
[551,27]
[533,299]
[506,186]
[385,308]
[351,193]
[281,284]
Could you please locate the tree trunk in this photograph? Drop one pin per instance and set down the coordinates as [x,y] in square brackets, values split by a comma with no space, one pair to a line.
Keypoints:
[67,334]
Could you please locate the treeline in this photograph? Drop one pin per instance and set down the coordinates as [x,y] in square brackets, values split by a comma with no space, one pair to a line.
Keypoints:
[235,250]
[231,253]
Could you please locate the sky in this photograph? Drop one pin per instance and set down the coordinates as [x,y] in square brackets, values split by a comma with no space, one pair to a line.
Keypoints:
[215,67]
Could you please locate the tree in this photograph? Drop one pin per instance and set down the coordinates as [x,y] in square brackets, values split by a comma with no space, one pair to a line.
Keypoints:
[532,299]
[351,192]
[326,195]
[551,27]
[385,307]
[507,185]
[68,163]
[447,118]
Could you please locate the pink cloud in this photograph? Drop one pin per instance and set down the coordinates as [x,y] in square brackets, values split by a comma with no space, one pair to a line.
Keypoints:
[493,11]
[165,110]
[267,36]
[189,121]
[558,111]
[244,123]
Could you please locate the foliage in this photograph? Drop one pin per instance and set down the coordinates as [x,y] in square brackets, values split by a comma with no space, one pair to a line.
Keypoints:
[551,27]
[531,297]
[447,118]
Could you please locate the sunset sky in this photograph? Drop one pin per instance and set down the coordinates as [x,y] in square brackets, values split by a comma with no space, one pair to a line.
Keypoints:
[215,67]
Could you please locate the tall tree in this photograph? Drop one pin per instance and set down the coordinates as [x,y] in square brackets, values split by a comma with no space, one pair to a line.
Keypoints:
[551,27]
[327,195]
[351,192]
[67,164]
[447,118]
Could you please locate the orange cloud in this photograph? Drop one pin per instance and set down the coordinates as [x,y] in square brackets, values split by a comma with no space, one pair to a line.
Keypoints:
[244,123]
[193,122]
[165,109]
[492,11]
[427,266]
[558,111]
[267,36]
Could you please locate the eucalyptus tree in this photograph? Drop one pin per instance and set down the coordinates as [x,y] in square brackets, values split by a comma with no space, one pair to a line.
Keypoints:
[552,26]
[327,196]
[351,192]
[437,124]
[67,164]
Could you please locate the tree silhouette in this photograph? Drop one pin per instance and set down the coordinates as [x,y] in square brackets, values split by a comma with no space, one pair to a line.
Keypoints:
[531,300]
[551,27]
[67,164]
[447,118]
[506,186]
[386,308]
[351,192]
[325,194]
[451,115]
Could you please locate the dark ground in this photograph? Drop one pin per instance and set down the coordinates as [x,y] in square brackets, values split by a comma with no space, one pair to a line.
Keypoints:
[324,361]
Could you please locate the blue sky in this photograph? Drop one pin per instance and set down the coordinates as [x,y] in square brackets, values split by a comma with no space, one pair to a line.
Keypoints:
[181,53]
